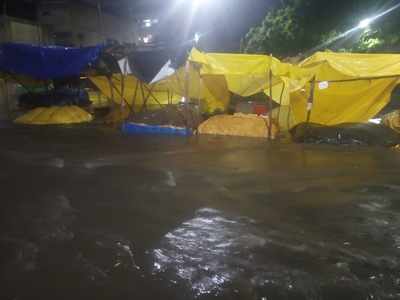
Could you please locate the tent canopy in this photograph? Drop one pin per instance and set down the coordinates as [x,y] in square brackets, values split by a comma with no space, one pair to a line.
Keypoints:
[248,74]
[349,87]
[46,62]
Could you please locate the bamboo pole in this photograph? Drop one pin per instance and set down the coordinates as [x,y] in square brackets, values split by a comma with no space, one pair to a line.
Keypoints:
[7,29]
[187,93]
[101,21]
[144,105]
[280,101]
[150,94]
[270,105]
[310,101]
[288,117]
[7,98]
[135,95]
[114,89]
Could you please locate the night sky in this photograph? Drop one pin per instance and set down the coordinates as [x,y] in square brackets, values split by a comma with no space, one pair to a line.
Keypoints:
[225,22]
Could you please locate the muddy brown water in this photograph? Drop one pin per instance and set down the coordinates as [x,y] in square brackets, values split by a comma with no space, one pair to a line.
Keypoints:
[90,214]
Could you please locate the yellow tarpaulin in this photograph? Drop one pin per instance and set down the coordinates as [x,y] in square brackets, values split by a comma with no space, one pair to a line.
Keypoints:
[55,115]
[247,75]
[211,90]
[349,87]
[128,90]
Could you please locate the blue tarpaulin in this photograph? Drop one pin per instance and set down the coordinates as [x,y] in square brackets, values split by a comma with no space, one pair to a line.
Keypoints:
[46,62]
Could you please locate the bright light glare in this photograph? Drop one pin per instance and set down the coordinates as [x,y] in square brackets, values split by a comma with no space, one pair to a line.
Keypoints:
[365,23]
[198,3]
[197,37]
[147,39]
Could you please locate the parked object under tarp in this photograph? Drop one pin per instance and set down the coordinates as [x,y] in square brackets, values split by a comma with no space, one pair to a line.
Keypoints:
[345,134]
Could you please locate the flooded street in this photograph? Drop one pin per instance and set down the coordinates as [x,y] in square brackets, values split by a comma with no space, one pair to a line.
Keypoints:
[90,214]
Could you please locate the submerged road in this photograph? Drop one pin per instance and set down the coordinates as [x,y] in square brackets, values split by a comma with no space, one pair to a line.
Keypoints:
[90,214]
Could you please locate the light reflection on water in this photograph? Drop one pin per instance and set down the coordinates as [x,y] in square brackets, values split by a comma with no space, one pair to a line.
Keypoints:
[209,250]
[216,254]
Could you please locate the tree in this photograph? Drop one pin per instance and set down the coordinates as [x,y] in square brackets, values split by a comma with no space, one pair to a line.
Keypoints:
[303,26]
[278,32]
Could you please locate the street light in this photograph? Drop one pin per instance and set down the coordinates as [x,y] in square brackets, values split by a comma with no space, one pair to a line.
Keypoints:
[365,23]
[196,4]
[197,37]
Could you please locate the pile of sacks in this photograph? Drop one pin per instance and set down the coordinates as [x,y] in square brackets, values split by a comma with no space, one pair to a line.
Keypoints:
[244,125]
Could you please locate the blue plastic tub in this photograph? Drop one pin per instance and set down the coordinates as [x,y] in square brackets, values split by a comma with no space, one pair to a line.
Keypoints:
[135,128]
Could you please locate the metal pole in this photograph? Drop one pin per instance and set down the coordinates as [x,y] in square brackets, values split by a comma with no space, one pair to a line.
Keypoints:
[310,101]
[39,26]
[101,21]
[111,89]
[7,29]
[280,102]
[135,95]
[186,83]
[288,117]
[144,106]
[150,94]
[114,89]
[270,105]
[7,99]
[124,73]
[187,93]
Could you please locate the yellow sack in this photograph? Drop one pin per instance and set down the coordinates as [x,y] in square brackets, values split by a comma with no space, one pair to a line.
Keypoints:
[392,120]
[55,115]
[238,125]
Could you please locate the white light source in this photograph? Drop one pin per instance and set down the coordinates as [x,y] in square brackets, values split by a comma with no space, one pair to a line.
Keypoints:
[197,37]
[365,23]
[147,39]
[198,3]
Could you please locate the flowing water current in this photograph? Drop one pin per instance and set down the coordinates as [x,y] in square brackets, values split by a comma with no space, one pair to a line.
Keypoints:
[90,214]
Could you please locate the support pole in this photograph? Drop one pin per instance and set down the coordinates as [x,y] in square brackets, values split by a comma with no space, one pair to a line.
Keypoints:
[144,106]
[7,29]
[7,99]
[123,77]
[101,21]
[288,117]
[114,89]
[150,94]
[270,105]
[187,94]
[280,101]
[310,101]
[111,89]
[135,95]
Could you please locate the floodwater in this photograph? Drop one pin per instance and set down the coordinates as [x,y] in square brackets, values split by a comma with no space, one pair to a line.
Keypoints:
[90,214]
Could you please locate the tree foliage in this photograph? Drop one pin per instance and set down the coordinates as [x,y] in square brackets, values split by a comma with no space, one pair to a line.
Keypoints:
[301,26]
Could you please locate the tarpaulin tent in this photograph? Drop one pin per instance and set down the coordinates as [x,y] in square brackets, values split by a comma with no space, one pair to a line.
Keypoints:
[248,74]
[186,81]
[327,88]
[130,91]
[347,88]
[46,62]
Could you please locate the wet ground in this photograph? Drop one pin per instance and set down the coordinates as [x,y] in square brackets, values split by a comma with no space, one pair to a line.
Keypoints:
[90,214]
